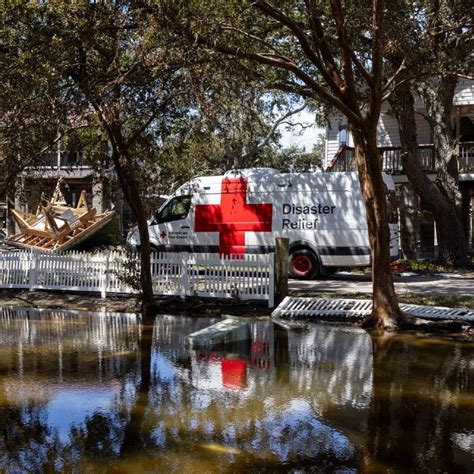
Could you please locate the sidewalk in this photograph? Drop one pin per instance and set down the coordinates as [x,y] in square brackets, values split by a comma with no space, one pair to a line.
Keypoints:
[342,282]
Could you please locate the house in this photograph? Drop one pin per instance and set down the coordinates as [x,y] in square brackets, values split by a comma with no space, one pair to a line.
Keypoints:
[101,186]
[417,226]
[77,175]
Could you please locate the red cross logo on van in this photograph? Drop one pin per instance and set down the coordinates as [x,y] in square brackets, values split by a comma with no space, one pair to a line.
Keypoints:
[233,217]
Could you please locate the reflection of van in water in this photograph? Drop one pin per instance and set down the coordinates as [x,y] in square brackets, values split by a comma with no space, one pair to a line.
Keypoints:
[243,211]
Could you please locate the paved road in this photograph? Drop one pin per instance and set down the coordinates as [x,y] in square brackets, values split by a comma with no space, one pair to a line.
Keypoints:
[350,283]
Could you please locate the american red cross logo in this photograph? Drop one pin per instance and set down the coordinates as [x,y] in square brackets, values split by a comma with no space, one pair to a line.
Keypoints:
[233,217]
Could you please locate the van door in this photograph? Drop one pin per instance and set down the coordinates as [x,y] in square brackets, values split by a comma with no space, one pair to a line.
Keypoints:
[172,225]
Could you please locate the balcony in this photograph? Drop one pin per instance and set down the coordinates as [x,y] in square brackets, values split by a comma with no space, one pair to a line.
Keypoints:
[63,160]
[344,160]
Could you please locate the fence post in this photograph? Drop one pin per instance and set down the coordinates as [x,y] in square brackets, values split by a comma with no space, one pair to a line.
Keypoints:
[33,273]
[271,280]
[105,276]
[281,269]
[184,280]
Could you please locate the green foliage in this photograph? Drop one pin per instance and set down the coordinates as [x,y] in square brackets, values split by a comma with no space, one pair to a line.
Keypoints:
[129,274]
[31,117]
[426,266]
[297,160]
[180,112]
[107,236]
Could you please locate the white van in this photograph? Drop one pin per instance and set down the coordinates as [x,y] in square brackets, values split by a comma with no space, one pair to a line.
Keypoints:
[243,211]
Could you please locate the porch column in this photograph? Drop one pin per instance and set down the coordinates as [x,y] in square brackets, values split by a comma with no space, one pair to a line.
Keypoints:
[471,223]
[98,195]
[20,203]
[458,129]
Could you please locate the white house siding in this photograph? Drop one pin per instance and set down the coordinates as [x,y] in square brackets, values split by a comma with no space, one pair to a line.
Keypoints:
[388,128]
[332,137]
[387,131]
[464,92]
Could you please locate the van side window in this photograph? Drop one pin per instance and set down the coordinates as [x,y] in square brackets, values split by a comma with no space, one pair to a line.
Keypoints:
[175,210]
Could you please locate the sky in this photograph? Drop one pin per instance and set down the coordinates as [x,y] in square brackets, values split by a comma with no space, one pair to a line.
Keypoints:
[303,138]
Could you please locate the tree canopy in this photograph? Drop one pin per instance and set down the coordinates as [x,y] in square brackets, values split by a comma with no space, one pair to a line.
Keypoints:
[166,79]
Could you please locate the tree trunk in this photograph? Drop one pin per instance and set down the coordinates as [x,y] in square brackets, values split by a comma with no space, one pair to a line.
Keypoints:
[451,237]
[385,313]
[438,94]
[132,195]
[130,187]
[412,410]
[134,432]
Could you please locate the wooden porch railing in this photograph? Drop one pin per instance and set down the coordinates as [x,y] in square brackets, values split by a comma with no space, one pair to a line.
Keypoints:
[392,162]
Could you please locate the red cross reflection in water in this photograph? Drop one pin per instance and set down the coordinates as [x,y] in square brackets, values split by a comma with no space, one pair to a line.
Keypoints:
[234,373]
[233,217]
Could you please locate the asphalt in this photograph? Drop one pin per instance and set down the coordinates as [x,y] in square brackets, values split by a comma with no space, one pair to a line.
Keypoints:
[440,284]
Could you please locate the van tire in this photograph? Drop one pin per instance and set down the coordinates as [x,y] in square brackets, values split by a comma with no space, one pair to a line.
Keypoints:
[304,264]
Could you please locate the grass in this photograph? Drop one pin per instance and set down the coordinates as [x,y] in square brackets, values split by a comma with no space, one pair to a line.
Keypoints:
[449,301]
[426,266]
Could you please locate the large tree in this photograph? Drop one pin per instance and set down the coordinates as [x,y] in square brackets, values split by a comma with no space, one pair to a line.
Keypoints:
[332,53]
[434,62]
[108,69]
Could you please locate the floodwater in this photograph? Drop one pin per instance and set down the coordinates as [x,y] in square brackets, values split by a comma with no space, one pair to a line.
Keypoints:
[95,392]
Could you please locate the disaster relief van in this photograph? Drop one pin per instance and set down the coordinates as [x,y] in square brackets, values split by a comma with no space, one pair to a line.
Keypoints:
[322,214]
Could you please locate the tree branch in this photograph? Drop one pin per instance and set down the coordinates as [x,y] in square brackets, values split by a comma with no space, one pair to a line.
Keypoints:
[257,39]
[331,76]
[320,42]
[346,50]
[279,122]
[377,51]
[270,60]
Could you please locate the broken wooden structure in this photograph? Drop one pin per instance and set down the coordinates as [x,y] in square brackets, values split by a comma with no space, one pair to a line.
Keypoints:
[56,226]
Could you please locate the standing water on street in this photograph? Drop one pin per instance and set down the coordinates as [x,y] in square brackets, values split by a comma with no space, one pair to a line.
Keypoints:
[95,391]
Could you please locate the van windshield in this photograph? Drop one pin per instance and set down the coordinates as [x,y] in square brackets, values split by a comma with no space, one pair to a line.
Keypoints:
[175,210]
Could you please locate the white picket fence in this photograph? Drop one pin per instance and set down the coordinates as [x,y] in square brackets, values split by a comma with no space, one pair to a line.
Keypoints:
[247,277]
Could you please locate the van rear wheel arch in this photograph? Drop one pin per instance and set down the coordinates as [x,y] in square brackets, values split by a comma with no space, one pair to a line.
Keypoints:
[304,263]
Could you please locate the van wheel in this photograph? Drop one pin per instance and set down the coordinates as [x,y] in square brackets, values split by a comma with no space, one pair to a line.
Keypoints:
[303,264]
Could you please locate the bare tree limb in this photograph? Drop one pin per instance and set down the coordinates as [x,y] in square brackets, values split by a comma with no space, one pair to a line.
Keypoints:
[270,60]
[279,122]
[332,77]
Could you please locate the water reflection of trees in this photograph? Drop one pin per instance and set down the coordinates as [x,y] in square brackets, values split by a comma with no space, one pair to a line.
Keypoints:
[71,344]
[295,399]
[26,439]
[422,406]
[51,352]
